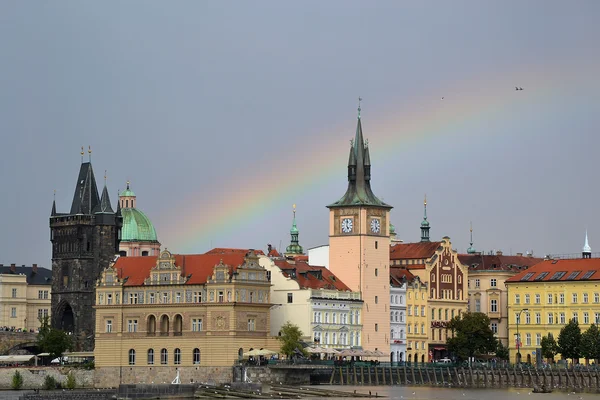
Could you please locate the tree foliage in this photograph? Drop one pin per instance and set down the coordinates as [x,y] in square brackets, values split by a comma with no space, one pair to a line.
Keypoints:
[549,346]
[17,381]
[502,351]
[53,341]
[590,343]
[569,340]
[290,340]
[471,334]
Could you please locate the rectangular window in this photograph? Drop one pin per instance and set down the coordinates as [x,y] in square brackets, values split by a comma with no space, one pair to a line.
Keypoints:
[477,283]
[290,298]
[196,324]
[549,298]
[409,309]
[132,325]
[376,300]
[574,298]
[14,293]
[40,294]
[376,328]
[586,318]
[221,296]
[108,326]
[575,317]
[165,298]
[133,298]
[109,298]
[563,318]
[493,282]
[517,299]
[538,318]
[585,298]
[251,324]
[197,297]
[538,339]
[596,297]
[494,305]
[477,305]
[527,299]
[597,318]
[178,297]
[423,311]
[561,298]
[538,298]
[416,311]
[13,312]
[527,318]
[494,327]
[550,318]
[42,313]
[152,298]
[528,339]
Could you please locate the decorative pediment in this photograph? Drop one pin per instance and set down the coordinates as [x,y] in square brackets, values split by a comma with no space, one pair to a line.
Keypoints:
[109,277]
[165,272]
[220,273]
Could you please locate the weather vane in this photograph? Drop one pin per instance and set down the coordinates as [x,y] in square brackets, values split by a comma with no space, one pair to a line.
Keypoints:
[359,100]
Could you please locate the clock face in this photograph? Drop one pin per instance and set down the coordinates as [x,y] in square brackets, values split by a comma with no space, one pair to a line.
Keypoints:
[347,225]
[375,226]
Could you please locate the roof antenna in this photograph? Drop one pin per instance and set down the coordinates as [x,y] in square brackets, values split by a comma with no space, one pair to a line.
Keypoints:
[90,153]
[359,100]
[82,154]
[104,177]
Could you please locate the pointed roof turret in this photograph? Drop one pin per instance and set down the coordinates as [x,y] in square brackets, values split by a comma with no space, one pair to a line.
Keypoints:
[294,247]
[118,213]
[471,249]
[104,207]
[587,250]
[85,198]
[359,190]
[53,212]
[425,223]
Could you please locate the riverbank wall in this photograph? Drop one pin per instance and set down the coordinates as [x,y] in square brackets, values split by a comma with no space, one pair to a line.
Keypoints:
[33,377]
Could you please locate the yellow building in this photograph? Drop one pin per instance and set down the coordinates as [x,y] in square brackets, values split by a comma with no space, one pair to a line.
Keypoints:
[417,321]
[437,265]
[186,313]
[24,296]
[487,291]
[545,297]
[359,240]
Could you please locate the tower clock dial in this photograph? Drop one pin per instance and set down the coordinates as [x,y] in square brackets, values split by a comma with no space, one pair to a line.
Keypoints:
[347,225]
[375,225]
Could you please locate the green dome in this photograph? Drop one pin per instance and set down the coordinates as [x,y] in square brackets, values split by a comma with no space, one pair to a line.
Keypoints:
[425,223]
[127,192]
[392,228]
[136,226]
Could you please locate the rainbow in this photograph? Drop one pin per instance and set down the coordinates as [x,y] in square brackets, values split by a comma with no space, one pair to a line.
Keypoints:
[390,132]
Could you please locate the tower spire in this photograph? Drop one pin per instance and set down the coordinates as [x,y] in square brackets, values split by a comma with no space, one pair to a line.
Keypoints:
[90,153]
[425,223]
[471,249]
[587,250]
[294,247]
[359,100]
[82,154]
[54,204]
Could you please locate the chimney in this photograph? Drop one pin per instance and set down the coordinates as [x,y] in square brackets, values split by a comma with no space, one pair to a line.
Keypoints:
[499,253]
[269,248]
[519,254]
[34,268]
[13,268]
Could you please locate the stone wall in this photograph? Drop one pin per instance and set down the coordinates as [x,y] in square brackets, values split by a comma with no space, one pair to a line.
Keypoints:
[33,378]
[112,377]
[69,395]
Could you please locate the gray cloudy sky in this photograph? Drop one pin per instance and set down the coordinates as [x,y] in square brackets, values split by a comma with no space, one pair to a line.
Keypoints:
[225,113]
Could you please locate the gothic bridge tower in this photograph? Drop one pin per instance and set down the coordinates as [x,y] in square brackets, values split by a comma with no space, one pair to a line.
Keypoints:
[84,242]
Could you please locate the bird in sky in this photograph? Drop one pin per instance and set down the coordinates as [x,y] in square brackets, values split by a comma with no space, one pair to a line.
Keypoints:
[518,88]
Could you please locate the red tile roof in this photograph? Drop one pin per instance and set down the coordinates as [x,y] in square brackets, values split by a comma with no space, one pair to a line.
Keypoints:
[408,251]
[224,250]
[398,274]
[552,270]
[274,253]
[307,275]
[199,266]
[483,262]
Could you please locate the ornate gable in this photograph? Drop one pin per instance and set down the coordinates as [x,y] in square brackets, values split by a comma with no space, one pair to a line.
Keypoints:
[109,277]
[165,272]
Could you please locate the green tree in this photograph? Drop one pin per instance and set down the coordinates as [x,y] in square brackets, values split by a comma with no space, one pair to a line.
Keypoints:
[17,381]
[53,341]
[549,347]
[289,337]
[71,382]
[502,351]
[471,334]
[569,340]
[590,343]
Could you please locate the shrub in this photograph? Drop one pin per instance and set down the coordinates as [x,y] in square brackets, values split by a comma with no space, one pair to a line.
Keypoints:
[17,381]
[71,383]
[49,382]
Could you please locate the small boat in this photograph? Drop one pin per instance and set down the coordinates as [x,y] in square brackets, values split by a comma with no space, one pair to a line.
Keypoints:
[542,389]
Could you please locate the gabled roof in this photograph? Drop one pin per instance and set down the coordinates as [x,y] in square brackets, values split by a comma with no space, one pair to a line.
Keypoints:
[198,266]
[408,251]
[309,276]
[399,275]
[580,269]
[34,275]
[224,250]
[487,262]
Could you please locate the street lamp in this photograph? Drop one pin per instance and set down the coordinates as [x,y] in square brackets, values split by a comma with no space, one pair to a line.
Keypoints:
[519,337]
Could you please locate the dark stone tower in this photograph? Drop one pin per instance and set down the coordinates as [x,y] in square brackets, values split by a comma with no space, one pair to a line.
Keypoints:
[84,242]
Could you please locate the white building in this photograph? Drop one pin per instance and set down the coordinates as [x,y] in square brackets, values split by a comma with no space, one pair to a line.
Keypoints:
[324,308]
[319,256]
[397,317]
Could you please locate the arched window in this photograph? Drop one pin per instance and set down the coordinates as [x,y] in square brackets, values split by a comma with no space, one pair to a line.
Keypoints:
[178,325]
[164,356]
[151,325]
[150,356]
[197,355]
[132,357]
[177,357]
[164,325]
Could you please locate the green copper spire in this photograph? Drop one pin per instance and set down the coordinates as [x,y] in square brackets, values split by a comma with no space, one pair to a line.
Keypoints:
[425,223]
[471,249]
[294,247]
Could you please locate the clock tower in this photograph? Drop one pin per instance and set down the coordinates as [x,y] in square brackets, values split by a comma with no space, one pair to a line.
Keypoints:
[359,245]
